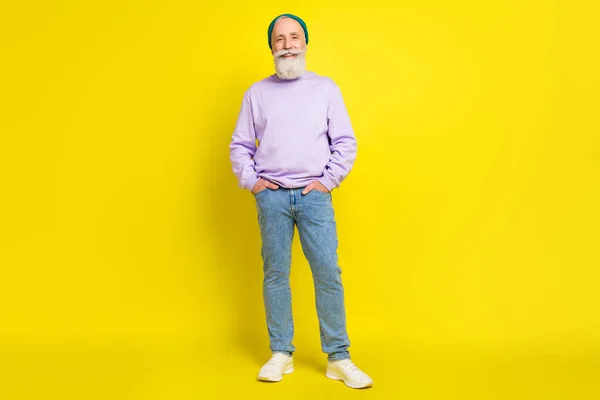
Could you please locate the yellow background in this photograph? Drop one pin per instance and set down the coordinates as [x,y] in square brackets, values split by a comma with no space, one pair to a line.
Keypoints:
[469,226]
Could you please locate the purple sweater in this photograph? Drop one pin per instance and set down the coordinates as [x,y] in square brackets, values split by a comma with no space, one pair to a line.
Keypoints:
[303,132]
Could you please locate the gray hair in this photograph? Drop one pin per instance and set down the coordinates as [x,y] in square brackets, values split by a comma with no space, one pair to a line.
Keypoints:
[275,23]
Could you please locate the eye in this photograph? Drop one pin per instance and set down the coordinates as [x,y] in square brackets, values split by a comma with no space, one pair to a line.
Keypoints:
[279,40]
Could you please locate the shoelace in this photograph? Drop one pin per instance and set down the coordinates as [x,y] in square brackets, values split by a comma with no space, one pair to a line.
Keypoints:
[347,363]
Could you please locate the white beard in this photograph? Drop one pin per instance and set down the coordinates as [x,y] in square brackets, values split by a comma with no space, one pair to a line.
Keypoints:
[290,68]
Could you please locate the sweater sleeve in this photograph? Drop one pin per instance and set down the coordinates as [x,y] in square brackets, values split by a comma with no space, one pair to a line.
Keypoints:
[243,146]
[343,144]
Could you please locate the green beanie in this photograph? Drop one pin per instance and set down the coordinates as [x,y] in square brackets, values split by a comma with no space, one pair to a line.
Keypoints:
[292,16]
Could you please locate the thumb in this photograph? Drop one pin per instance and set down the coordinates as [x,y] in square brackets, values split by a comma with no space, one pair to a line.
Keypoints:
[271,185]
[308,188]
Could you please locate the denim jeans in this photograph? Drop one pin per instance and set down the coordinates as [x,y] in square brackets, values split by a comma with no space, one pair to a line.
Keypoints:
[279,211]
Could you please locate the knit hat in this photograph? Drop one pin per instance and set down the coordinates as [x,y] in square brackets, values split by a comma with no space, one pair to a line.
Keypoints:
[292,16]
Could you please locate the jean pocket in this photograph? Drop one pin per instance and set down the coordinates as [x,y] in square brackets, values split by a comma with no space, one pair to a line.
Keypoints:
[261,192]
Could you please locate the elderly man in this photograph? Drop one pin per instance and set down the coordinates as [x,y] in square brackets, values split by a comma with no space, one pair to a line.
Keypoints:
[306,148]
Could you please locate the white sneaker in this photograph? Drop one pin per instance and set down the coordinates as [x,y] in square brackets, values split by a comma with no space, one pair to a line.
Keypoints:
[345,370]
[277,365]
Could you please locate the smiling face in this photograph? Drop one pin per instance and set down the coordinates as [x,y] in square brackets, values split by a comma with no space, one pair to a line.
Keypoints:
[288,48]
[287,34]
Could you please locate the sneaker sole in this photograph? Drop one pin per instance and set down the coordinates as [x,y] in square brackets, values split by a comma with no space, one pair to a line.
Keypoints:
[354,385]
[287,370]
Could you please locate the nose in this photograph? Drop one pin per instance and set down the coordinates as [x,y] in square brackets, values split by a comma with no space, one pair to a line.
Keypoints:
[287,44]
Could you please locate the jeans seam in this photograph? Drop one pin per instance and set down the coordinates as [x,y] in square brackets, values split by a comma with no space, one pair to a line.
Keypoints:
[322,340]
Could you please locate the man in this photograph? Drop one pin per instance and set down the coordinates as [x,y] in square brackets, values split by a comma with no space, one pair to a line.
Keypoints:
[306,148]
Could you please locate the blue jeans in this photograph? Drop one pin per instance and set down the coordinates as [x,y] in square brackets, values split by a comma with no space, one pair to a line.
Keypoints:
[278,211]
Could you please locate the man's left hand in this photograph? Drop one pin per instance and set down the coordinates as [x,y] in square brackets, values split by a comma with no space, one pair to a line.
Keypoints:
[315,185]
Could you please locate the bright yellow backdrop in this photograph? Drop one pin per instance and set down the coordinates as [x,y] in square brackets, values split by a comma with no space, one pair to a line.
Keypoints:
[469,227]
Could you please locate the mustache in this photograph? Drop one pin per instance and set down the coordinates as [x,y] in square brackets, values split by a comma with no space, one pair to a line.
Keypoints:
[282,53]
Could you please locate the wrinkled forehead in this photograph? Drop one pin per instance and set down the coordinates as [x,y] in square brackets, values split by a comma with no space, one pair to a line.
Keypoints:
[287,26]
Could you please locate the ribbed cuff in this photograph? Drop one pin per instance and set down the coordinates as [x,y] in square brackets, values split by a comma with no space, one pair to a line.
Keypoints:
[250,183]
[328,183]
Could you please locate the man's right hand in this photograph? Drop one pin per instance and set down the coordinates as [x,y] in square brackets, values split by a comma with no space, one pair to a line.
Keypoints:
[263,184]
